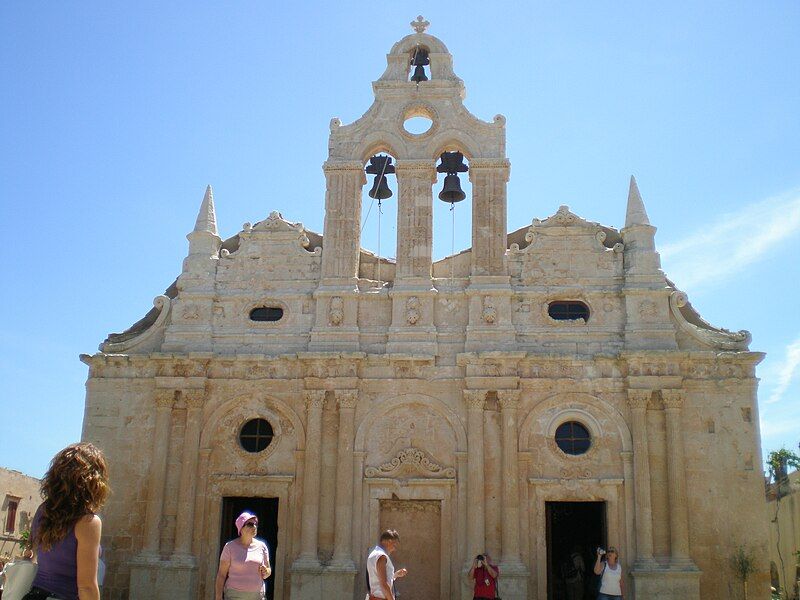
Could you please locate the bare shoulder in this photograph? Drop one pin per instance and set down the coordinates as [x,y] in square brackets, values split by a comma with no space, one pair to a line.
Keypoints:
[89,526]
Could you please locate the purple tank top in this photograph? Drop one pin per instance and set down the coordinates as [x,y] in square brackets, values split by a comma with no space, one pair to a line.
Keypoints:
[58,567]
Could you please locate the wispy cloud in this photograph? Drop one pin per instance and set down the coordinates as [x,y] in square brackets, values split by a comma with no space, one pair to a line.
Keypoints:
[786,372]
[735,241]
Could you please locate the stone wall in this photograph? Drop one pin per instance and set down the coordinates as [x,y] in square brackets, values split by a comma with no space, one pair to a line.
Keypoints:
[22,490]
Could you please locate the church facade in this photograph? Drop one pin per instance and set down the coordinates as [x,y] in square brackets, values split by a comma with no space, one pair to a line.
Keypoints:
[545,390]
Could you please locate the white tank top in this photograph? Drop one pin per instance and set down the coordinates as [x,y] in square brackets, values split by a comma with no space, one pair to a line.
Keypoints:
[611,579]
[372,569]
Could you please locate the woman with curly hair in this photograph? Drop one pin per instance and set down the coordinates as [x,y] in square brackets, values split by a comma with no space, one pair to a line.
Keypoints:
[65,532]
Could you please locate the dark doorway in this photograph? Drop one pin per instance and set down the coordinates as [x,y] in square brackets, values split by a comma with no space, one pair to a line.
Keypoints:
[573,525]
[266,509]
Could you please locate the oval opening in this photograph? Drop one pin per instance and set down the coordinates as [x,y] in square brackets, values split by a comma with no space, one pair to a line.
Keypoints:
[266,313]
[568,311]
[417,125]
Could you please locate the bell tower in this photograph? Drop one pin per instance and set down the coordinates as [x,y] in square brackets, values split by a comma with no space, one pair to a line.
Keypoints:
[405,90]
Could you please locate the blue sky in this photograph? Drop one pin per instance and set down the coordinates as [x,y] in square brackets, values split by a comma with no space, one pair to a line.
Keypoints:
[114,116]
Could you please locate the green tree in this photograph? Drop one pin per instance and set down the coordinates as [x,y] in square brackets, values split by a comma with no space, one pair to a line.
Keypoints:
[778,463]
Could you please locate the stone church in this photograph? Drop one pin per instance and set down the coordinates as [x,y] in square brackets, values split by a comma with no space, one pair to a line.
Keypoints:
[546,389]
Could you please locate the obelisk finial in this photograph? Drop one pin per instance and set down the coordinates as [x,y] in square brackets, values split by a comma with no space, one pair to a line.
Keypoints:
[420,25]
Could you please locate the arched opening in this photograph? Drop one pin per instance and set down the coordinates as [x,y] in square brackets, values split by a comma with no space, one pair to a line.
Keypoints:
[379,219]
[452,218]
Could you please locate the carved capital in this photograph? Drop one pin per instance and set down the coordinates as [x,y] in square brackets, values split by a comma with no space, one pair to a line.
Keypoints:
[194,399]
[354,166]
[673,399]
[315,399]
[638,399]
[508,399]
[165,398]
[475,399]
[346,398]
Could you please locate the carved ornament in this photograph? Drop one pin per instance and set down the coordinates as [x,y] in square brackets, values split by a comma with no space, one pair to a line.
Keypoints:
[638,398]
[673,399]
[347,398]
[165,398]
[336,311]
[475,399]
[489,313]
[707,334]
[411,459]
[508,399]
[315,399]
[163,304]
[412,310]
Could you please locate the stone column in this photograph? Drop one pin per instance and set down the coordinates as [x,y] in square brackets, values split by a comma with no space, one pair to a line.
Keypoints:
[676,477]
[342,229]
[627,469]
[165,398]
[315,400]
[476,521]
[191,448]
[638,400]
[509,401]
[342,557]
[415,218]
[489,178]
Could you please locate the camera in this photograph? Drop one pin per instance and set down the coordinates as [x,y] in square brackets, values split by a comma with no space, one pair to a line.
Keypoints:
[479,558]
[600,551]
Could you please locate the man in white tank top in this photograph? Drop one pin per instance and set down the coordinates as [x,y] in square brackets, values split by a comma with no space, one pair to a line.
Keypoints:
[380,570]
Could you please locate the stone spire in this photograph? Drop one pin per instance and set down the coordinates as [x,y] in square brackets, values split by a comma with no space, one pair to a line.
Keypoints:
[635,214]
[207,217]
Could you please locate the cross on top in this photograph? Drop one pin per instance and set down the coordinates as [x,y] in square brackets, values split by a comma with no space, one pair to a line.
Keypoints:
[420,25]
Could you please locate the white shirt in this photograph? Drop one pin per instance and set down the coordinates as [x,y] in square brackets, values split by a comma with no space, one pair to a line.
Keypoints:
[372,569]
[611,581]
[19,577]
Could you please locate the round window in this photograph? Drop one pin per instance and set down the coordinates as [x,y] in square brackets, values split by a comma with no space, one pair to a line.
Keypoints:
[256,435]
[573,438]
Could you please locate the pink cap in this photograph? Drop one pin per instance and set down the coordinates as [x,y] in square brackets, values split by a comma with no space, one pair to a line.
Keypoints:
[244,518]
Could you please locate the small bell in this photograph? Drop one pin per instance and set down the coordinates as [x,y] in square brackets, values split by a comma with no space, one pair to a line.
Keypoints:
[380,166]
[419,74]
[419,60]
[452,164]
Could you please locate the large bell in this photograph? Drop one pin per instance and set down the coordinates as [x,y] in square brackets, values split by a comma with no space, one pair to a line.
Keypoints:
[452,192]
[419,74]
[380,189]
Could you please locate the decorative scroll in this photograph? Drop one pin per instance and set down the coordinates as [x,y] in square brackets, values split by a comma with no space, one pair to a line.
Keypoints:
[705,333]
[411,459]
[163,304]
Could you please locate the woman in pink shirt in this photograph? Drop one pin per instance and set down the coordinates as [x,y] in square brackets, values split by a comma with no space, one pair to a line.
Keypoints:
[243,564]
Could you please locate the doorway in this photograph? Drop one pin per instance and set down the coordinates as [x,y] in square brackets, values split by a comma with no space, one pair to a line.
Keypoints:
[419,523]
[579,526]
[266,509]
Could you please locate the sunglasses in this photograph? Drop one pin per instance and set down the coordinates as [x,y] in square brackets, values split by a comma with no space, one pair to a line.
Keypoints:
[250,524]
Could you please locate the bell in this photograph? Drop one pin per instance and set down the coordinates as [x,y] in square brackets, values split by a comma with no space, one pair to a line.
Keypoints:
[452,192]
[419,74]
[380,189]
[380,166]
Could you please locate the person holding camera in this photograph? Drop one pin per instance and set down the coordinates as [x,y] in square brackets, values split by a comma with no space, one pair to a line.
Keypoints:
[610,571]
[484,573]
